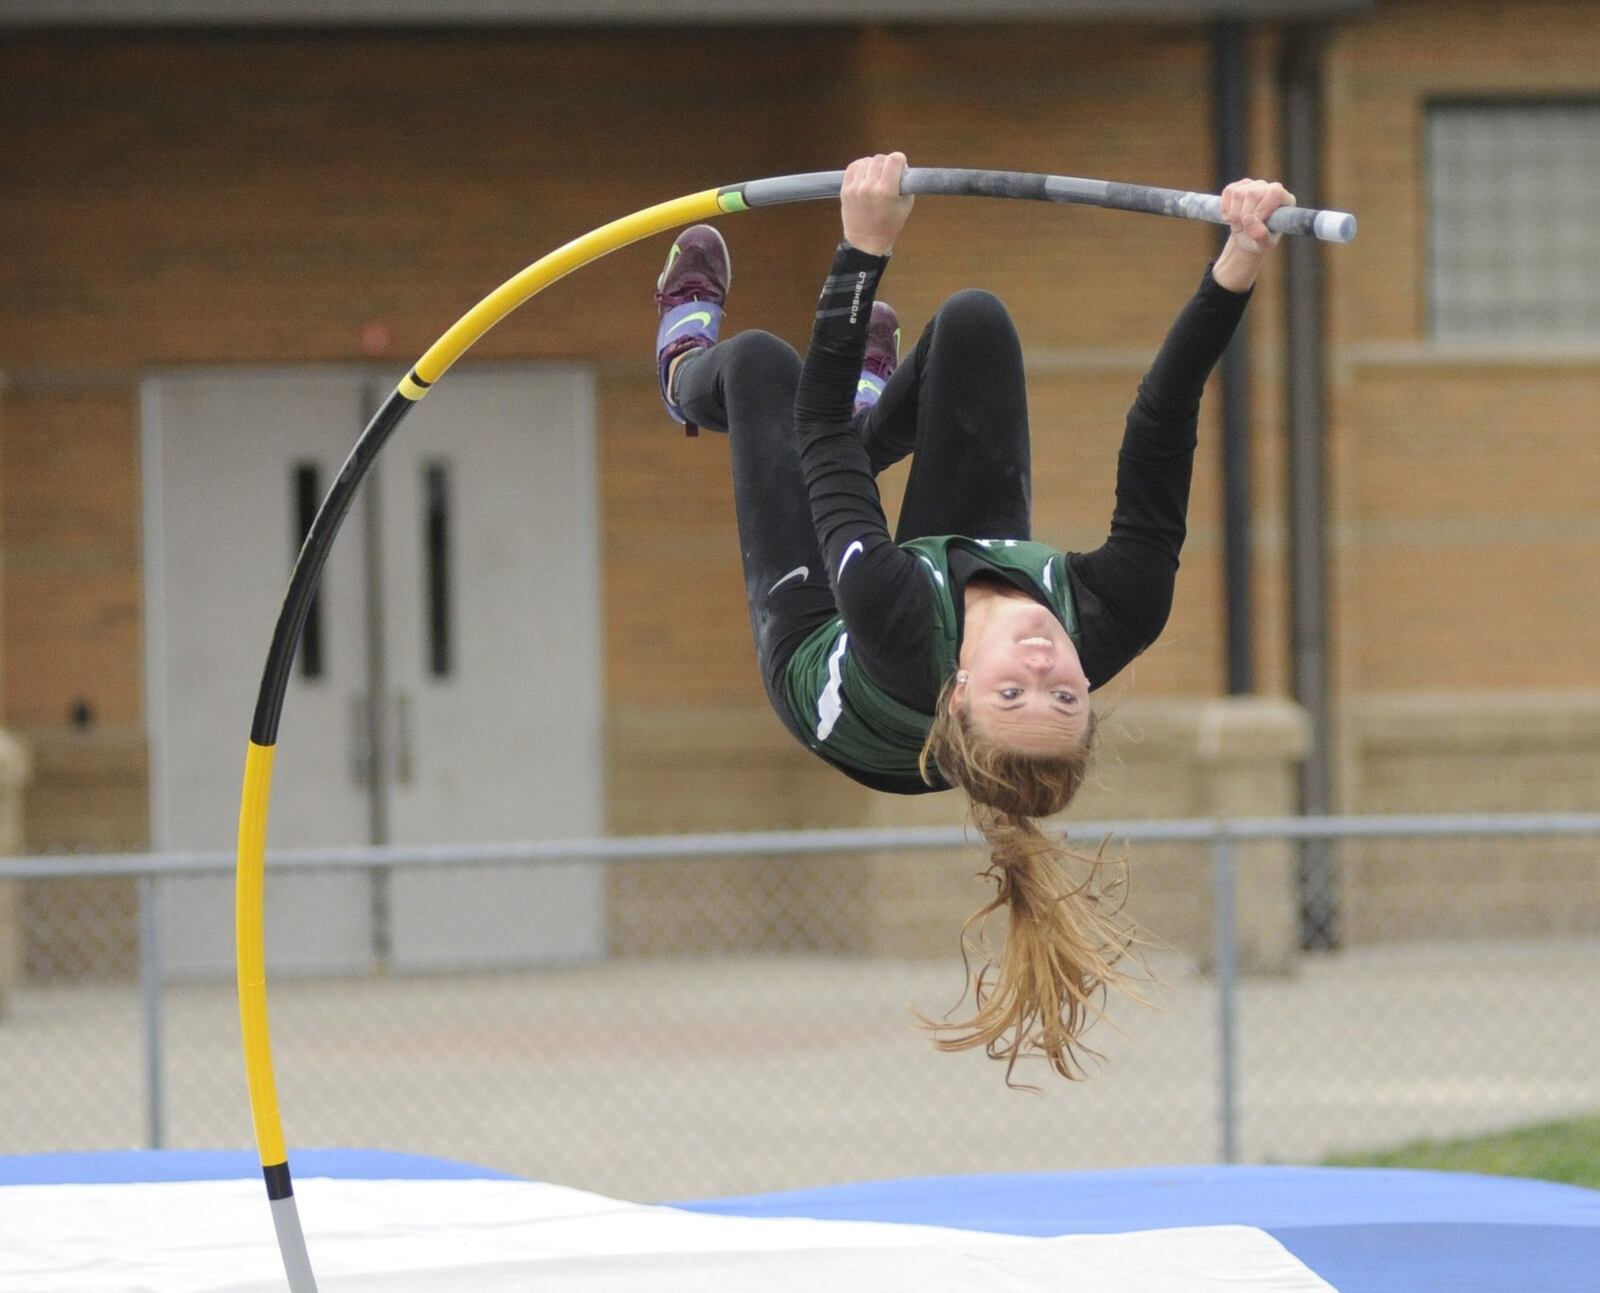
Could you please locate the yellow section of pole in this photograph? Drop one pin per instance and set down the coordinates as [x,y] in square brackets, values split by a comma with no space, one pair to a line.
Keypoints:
[250,950]
[545,271]
[250,876]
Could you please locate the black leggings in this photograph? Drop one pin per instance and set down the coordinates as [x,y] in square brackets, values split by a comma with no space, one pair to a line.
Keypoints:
[957,404]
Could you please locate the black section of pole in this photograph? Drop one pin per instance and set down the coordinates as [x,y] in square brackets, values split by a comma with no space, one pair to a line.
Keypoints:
[1231,107]
[308,567]
[279,1184]
[1301,80]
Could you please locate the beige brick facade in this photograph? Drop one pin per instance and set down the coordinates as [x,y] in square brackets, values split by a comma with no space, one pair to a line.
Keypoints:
[181,198]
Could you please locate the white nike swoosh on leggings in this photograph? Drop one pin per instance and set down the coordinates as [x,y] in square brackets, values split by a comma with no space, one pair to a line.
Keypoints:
[848,553]
[803,571]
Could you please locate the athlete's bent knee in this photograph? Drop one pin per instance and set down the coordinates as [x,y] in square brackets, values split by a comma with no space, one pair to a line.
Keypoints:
[976,310]
[762,356]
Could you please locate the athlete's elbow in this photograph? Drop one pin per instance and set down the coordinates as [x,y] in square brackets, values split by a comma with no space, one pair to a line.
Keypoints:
[1150,622]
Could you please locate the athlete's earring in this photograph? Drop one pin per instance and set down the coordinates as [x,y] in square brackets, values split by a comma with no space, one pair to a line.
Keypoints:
[961,678]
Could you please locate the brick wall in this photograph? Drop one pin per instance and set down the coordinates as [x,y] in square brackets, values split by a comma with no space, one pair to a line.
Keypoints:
[245,199]
[1481,752]
[1465,483]
[250,198]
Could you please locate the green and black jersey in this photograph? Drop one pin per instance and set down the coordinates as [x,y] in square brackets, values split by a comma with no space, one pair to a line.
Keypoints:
[857,724]
[863,687]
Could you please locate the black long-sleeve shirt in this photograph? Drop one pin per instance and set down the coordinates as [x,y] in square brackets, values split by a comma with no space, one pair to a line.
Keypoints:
[889,604]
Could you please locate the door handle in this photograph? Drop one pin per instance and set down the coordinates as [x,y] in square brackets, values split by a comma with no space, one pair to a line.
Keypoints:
[403,762]
[360,741]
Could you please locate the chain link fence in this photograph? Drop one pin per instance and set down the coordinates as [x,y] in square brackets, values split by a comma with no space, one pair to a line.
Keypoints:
[760,1047]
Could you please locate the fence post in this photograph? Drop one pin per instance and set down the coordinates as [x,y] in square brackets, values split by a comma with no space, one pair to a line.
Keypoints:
[15,769]
[152,1003]
[1226,970]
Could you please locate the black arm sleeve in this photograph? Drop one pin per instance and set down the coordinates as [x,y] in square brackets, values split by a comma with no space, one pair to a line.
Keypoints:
[881,591]
[1124,587]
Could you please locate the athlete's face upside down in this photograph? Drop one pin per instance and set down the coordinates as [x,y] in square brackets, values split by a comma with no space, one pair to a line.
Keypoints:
[1020,682]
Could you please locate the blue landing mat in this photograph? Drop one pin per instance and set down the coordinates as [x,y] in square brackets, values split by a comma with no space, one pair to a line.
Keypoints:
[1362,1230]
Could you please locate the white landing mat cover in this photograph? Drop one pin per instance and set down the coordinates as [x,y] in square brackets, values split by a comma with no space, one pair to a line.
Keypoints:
[492,1236]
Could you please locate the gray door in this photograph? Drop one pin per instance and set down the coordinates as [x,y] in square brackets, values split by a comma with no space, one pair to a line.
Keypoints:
[447,689]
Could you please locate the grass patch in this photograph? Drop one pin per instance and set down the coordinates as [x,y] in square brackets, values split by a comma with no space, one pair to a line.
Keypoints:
[1567,1151]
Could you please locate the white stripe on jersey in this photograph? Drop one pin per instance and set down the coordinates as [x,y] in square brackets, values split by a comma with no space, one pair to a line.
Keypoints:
[831,703]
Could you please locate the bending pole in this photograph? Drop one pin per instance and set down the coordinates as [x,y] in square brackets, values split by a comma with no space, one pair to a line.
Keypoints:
[249,884]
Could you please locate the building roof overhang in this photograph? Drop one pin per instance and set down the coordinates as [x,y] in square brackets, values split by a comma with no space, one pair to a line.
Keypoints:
[380,13]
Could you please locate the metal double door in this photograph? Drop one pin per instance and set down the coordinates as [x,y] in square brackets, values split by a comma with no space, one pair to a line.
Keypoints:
[447,688]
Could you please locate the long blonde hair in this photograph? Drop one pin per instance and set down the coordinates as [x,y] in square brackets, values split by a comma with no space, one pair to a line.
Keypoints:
[1066,933]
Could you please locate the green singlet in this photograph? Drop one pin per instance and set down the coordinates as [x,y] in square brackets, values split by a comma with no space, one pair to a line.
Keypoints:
[852,721]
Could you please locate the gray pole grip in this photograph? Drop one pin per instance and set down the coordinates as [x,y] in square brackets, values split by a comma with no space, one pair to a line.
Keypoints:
[1330,226]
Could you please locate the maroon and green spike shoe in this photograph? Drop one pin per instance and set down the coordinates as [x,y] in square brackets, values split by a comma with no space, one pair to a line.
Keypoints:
[690,294]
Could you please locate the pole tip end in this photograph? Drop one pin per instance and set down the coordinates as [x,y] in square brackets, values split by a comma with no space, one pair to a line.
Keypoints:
[1334,226]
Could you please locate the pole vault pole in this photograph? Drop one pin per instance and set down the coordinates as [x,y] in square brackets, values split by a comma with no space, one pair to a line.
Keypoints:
[249,885]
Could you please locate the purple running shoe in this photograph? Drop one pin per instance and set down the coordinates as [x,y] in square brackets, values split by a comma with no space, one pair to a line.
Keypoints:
[690,294]
[882,354]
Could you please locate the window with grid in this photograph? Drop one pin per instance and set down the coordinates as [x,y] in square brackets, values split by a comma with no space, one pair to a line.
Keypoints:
[1514,221]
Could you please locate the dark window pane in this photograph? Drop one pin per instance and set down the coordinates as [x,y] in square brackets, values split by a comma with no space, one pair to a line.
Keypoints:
[1513,246]
[436,543]
[307,490]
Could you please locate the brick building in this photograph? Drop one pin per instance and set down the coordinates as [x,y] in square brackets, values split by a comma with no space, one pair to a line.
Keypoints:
[221,235]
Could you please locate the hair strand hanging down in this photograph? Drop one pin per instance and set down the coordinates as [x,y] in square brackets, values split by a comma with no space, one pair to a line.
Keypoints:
[1066,933]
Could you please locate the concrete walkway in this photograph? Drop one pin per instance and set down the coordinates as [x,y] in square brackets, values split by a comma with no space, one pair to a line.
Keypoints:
[680,1079]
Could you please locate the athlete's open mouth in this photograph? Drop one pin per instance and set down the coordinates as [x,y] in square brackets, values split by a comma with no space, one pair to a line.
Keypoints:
[1034,642]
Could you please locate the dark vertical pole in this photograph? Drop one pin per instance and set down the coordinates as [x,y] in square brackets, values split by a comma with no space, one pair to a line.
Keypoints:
[379,770]
[1231,108]
[1308,557]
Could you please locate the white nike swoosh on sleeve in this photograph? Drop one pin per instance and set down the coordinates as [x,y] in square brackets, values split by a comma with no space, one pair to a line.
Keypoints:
[848,553]
[803,571]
